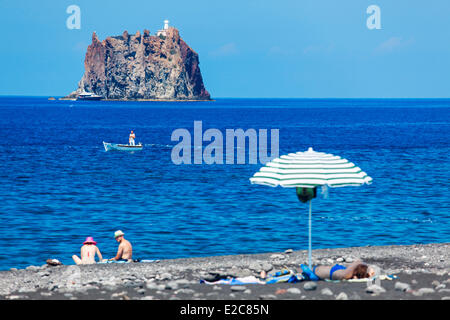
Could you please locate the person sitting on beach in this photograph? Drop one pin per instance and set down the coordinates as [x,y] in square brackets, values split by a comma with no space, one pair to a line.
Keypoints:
[355,270]
[125,250]
[88,251]
[131,138]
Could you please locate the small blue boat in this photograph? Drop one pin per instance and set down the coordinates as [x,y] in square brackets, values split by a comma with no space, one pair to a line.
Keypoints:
[121,147]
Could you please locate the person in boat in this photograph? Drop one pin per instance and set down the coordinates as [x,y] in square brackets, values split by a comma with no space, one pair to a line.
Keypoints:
[131,138]
[125,250]
[355,270]
[88,252]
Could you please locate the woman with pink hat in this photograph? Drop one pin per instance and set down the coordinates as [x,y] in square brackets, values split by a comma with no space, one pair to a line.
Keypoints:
[88,251]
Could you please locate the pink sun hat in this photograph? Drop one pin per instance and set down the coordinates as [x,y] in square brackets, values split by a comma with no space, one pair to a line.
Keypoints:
[89,240]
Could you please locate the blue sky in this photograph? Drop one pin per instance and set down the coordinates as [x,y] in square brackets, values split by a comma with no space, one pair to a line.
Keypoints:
[247,48]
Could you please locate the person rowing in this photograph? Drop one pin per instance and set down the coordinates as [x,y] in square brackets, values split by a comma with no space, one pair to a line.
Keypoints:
[131,138]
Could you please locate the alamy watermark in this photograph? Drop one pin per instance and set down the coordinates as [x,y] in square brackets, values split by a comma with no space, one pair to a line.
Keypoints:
[74,20]
[374,20]
[235,143]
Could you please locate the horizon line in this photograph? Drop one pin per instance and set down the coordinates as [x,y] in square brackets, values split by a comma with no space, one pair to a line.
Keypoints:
[261,98]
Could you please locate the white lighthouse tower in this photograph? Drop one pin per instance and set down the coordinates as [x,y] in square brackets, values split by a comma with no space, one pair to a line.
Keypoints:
[163,31]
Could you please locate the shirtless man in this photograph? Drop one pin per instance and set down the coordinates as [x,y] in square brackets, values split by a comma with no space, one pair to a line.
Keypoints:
[125,251]
[88,251]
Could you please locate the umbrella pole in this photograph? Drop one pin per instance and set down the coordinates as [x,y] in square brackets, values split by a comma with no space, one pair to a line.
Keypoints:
[309,240]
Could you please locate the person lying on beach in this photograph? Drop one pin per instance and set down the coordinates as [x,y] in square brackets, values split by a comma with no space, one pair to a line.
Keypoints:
[355,270]
[125,250]
[88,251]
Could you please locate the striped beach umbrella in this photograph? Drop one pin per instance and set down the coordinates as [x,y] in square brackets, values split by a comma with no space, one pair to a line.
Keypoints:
[308,170]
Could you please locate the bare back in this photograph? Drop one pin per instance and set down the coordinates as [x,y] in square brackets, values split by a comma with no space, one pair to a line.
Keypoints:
[127,249]
[88,252]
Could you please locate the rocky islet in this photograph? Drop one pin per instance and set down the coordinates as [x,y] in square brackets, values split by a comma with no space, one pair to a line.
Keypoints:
[142,66]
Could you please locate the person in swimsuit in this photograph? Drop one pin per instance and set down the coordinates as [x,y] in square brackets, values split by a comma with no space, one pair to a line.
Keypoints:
[355,270]
[125,250]
[88,252]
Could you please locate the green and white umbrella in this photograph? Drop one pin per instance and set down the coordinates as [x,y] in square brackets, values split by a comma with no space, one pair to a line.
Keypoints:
[308,170]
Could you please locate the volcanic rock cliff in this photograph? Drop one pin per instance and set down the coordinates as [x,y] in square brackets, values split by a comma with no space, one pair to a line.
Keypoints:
[142,66]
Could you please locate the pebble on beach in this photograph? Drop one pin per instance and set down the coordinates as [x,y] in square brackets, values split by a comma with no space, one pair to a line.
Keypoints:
[423,291]
[400,286]
[238,288]
[342,296]
[294,291]
[375,289]
[267,297]
[266,266]
[185,291]
[277,256]
[326,292]
[310,285]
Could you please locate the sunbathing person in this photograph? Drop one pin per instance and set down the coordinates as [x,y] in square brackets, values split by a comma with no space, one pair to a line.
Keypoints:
[355,270]
[88,251]
[125,250]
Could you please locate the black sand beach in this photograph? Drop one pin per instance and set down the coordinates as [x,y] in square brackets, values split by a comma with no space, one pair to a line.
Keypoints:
[423,273]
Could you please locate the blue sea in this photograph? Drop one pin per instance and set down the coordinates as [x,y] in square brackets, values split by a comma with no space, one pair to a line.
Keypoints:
[58,185]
